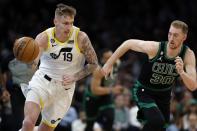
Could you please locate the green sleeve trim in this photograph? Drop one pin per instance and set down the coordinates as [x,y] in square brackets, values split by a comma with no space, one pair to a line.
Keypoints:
[158,53]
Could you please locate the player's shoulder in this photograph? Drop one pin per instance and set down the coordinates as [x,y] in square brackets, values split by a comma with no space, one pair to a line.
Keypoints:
[190,52]
[189,56]
[149,44]
[42,36]
[83,40]
[82,35]
[42,39]
[152,45]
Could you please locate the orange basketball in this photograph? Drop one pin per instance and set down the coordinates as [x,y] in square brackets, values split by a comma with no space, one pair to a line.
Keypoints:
[26,49]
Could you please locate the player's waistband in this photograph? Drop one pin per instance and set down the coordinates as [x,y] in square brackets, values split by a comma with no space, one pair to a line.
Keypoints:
[51,79]
[153,89]
[47,77]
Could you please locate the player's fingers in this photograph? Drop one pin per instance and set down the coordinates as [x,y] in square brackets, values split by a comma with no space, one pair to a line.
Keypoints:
[103,72]
[65,83]
[179,64]
[178,60]
[178,57]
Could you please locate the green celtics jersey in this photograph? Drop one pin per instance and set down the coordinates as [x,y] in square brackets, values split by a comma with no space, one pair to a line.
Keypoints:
[159,73]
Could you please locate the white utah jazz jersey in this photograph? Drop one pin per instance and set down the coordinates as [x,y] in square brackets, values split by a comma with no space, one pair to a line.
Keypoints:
[61,58]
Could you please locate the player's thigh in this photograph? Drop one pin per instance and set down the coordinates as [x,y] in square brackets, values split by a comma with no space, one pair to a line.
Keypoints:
[31,111]
[45,127]
[165,110]
[57,109]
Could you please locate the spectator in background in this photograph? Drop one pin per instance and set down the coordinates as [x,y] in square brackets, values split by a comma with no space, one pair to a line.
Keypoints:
[67,120]
[20,73]
[121,120]
[80,123]
[191,109]
[98,100]
[192,121]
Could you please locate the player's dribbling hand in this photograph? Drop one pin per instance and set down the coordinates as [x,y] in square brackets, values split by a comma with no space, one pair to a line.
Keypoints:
[68,79]
[179,65]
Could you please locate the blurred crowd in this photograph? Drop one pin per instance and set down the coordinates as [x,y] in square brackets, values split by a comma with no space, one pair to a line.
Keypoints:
[108,23]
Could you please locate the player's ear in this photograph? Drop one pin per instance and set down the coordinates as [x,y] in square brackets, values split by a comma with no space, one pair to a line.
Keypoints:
[185,37]
[54,21]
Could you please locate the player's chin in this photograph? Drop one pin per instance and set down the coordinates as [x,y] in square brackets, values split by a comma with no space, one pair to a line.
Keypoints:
[173,46]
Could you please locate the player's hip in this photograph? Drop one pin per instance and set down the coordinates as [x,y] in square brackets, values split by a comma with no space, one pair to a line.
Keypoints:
[42,81]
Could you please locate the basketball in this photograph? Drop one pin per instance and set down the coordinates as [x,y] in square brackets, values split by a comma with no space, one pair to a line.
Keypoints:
[26,49]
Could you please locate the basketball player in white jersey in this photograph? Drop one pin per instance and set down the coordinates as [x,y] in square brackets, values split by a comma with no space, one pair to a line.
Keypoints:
[63,51]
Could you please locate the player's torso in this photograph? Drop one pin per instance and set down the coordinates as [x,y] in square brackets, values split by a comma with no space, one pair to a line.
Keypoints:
[160,72]
[62,58]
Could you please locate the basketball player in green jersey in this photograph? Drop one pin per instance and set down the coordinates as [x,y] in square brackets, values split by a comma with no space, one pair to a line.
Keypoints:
[166,62]
[98,98]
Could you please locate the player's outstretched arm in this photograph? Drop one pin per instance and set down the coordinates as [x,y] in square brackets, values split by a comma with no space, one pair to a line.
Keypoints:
[148,47]
[189,75]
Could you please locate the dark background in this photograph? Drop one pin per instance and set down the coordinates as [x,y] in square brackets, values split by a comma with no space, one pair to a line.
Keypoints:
[108,23]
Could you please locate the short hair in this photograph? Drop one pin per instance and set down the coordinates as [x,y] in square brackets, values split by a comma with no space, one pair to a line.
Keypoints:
[63,10]
[181,25]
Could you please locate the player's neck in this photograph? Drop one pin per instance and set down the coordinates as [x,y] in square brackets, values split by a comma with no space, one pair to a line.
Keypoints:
[171,53]
[61,37]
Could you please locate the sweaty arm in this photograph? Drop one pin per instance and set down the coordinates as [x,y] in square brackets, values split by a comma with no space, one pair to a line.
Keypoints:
[189,75]
[87,49]
[148,47]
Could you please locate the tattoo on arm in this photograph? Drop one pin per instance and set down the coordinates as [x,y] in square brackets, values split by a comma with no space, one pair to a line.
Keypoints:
[91,58]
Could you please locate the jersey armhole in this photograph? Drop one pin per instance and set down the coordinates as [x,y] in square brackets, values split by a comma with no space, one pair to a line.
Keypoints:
[184,51]
[76,40]
[158,53]
[48,42]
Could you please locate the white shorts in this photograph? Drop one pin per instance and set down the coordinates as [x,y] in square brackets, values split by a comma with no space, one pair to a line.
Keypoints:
[53,98]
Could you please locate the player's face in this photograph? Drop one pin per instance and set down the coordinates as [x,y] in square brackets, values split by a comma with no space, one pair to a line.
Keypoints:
[175,37]
[63,24]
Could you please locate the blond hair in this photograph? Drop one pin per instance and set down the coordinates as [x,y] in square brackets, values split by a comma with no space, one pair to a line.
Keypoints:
[63,10]
[181,25]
